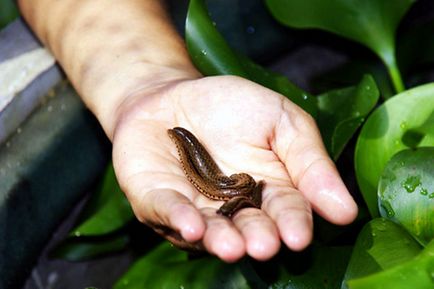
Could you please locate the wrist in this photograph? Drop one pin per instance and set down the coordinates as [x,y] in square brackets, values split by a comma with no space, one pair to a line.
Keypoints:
[117,97]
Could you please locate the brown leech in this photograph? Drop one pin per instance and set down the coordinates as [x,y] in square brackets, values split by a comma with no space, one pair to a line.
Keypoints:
[238,190]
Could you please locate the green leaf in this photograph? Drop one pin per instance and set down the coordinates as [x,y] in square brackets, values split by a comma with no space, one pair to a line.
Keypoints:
[369,22]
[406,192]
[417,273]
[168,267]
[381,136]
[316,267]
[342,111]
[381,244]
[84,248]
[108,210]
[212,56]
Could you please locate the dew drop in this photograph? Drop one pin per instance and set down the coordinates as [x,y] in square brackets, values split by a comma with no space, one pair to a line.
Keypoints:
[203,51]
[411,183]
[77,233]
[19,130]
[423,191]
[403,125]
[368,87]
[431,196]
[304,96]
[386,206]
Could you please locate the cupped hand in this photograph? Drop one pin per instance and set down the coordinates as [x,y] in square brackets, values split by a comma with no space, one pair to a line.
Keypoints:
[246,128]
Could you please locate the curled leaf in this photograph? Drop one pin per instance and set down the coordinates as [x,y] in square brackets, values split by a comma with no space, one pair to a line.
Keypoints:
[342,111]
[382,136]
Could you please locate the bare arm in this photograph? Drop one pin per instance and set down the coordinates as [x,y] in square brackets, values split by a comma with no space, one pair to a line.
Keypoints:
[110,49]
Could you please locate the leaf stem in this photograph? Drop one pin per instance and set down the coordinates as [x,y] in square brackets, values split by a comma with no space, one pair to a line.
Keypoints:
[395,74]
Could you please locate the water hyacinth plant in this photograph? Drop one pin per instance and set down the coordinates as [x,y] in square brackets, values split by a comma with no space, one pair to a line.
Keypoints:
[393,158]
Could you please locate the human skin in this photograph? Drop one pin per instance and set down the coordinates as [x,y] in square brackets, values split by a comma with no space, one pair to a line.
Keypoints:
[133,72]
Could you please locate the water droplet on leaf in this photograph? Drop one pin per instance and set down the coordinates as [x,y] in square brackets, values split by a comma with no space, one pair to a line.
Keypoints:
[388,208]
[411,183]
[423,191]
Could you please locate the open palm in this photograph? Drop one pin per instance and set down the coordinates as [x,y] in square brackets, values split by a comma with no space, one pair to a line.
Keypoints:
[246,128]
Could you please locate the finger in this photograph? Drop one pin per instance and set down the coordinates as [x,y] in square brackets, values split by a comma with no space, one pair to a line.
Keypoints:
[168,208]
[260,234]
[222,238]
[298,143]
[291,213]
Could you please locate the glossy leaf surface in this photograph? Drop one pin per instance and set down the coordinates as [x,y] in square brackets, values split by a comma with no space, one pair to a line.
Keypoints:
[369,22]
[317,267]
[380,245]
[382,136]
[168,267]
[212,56]
[342,111]
[108,209]
[416,273]
[406,192]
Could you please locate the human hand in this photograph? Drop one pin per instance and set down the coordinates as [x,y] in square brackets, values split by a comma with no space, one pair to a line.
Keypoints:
[246,128]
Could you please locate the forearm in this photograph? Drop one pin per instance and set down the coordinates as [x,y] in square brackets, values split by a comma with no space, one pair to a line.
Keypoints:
[110,49]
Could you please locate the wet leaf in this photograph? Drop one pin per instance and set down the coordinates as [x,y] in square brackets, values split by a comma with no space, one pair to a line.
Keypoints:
[212,56]
[369,22]
[168,267]
[417,273]
[108,209]
[317,267]
[342,111]
[406,192]
[381,136]
[381,244]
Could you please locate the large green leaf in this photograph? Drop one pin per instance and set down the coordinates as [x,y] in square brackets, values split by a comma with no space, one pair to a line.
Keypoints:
[212,56]
[168,267]
[370,22]
[382,136]
[342,111]
[108,209]
[380,245]
[317,267]
[406,192]
[417,273]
